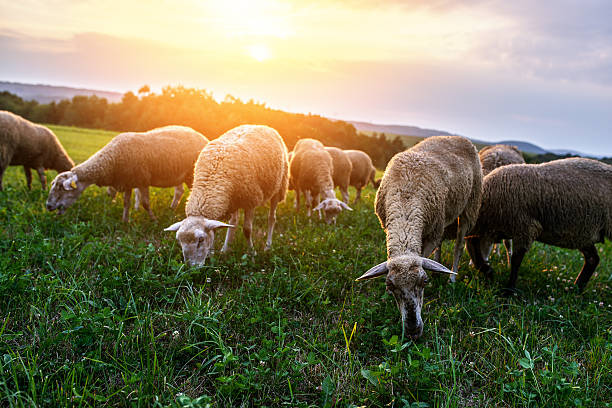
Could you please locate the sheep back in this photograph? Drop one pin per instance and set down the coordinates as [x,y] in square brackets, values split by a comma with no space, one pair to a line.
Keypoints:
[311,169]
[428,187]
[162,157]
[243,168]
[566,203]
[25,143]
[342,167]
[494,156]
[362,168]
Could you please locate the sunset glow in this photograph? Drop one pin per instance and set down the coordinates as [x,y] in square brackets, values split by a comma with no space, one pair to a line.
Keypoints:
[259,52]
[392,62]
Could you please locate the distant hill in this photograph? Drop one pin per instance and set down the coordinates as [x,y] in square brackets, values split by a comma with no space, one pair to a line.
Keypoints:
[524,146]
[49,93]
[411,135]
[403,130]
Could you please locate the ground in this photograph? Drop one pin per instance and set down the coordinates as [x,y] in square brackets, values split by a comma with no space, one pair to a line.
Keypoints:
[97,312]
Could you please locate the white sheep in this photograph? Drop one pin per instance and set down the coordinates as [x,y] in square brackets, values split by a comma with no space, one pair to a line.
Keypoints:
[31,146]
[162,157]
[424,189]
[242,169]
[362,171]
[566,203]
[311,172]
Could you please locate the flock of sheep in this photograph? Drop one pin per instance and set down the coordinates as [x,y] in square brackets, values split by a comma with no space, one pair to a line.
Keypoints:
[441,188]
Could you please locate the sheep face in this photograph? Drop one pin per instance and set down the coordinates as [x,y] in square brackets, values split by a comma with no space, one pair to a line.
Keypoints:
[406,280]
[331,208]
[65,190]
[196,236]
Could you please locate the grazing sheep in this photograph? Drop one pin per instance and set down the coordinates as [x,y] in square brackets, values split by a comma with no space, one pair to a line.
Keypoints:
[424,189]
[31,146]
[491,157]
[162,157]
[362,171]
[342,170]
[566,203]
[243,168]
[311,170]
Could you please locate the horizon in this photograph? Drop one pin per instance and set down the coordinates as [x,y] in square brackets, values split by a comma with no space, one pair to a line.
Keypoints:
[486,70]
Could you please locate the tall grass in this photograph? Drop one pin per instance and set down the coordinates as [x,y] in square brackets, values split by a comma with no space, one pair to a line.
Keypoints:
[94,312]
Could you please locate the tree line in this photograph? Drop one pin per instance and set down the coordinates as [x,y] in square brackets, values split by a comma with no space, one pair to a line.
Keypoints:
[198,109]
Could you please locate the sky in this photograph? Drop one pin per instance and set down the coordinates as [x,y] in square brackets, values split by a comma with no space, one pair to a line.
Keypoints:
[487,69]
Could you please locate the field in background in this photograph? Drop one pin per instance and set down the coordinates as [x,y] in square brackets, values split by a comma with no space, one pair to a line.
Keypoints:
[96,312]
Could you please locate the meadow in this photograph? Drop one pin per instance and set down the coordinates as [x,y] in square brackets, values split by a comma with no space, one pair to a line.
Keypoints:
[95,312]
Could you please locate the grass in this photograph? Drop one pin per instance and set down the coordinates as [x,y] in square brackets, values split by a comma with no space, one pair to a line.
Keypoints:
[97,313]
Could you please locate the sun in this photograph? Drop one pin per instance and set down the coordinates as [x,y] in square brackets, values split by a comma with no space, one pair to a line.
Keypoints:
[259,52]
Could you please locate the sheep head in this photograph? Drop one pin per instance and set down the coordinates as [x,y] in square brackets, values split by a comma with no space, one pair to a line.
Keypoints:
[406,280]
[65,190]
[196,236]
[332,207]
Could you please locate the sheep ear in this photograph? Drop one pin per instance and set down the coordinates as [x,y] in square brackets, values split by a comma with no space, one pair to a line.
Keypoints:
[375,272]
[320,206]
[433,266]
[70,183]
[175,226]
[345,206]
[213,224]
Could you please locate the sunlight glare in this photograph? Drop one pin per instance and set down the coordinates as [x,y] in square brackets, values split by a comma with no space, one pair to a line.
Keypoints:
[259,52]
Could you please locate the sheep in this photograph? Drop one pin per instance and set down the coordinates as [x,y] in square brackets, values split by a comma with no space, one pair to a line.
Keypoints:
[491,157]
[31,146]
[311,171]
[342,170]
[424,189]
[566,203]
[242,169]
[362,172]
[162,157]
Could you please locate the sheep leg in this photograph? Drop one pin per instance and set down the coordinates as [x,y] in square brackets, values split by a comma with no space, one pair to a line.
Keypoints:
[296,205]
[247,228]
[358,196]
[2,168]
[28,174]
[437,254]
[178,195]
[43,178]
[229,236]
[136,199]
[308,201]
[591,260]
[475,251]
[515,264]
[146,203]
[345,194]
[127,197]
[459,244]
[271,223]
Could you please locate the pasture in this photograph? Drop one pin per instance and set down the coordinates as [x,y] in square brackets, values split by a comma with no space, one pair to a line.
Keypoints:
[94,312]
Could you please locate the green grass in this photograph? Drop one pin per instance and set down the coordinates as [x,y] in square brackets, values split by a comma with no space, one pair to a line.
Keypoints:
[97,313]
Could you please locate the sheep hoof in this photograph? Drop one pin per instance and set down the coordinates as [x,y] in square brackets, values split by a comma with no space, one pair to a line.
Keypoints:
[267,248]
